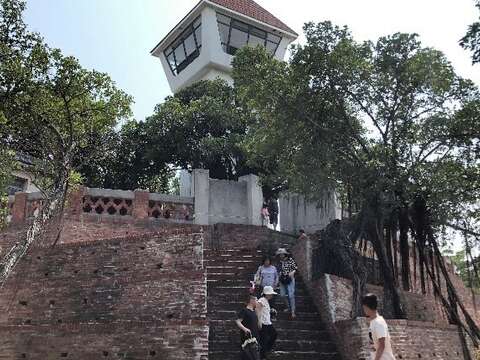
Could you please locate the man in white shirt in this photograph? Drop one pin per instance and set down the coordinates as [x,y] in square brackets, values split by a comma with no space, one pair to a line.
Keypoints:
[268,334]
[378,333]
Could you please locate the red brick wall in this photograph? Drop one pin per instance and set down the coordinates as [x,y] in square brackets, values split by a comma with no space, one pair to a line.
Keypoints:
[419,307]
[142,294]
[333,297]
[248,237]
[410,340]
[139,297]
[95,227]
[422,307]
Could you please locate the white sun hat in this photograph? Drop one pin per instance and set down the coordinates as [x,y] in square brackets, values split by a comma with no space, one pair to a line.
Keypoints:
[268,290]
[282,251]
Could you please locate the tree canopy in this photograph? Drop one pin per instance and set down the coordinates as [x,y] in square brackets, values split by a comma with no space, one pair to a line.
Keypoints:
[53,110]
[471,40]
[387,124]
[201,126]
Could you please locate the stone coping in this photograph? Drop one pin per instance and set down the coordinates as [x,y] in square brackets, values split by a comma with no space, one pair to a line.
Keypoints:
[35,196]
[171,198]
[121,194]
[400,322]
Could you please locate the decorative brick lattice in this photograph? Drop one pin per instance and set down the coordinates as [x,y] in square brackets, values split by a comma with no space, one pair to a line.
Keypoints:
[107,205]
[170,210]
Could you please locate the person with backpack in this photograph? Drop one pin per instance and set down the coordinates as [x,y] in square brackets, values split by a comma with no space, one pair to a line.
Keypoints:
[287,269]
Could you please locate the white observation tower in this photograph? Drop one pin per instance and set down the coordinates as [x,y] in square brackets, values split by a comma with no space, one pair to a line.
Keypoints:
[201,46]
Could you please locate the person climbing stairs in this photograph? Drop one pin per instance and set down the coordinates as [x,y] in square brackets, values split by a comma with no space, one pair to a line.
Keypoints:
[228,275]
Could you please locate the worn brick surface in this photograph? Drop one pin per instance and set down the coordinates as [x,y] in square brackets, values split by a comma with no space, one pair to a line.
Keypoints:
[410,339]
[426,335]
[138,297]
[142,293]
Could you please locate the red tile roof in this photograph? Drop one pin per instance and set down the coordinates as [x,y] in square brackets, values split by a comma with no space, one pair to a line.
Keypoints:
[251,9]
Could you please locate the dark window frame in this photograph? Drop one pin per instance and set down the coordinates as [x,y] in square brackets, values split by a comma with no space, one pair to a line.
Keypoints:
[18,184]
[179,42]
[230,49]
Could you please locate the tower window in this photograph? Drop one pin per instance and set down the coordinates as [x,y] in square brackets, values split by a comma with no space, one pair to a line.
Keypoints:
[18,184]
[235,34]
[185,48]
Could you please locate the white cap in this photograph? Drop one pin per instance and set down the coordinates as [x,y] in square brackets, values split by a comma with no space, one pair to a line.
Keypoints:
[268,290]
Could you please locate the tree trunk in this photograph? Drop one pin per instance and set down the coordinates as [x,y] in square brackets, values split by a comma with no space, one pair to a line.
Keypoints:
[421,225]
[388,244]
[336,242]
[404,249]
[392,302]
[468,255]
[414,251]
[394,233]
[51,210]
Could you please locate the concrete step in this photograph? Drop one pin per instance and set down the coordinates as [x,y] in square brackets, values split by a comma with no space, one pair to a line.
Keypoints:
[233,280]
[282,344]
[302,305]
[231,331]
[282,323]
[278,355]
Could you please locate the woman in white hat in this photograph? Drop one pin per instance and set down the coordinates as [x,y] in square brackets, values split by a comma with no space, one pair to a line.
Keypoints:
[288,267]
[268,334]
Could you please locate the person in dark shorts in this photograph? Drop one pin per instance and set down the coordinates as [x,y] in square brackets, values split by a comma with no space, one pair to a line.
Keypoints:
[273,211]
[247,322]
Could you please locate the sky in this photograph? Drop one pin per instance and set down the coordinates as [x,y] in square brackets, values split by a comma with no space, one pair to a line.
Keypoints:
[116,36]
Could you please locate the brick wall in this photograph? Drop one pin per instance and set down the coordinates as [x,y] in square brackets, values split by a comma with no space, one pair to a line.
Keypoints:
[225,236]
[136,297]
[142,294]
[338,293]
[426,330]
[94,227]
[410,340]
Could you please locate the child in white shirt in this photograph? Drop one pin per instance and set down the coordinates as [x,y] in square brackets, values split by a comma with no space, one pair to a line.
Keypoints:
[378,333]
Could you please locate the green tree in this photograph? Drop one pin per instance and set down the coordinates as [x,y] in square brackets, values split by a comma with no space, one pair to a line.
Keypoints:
[7,165]
[126,163]
[383,123]
[55,111]
[200,127]
[471,40]
[464,269]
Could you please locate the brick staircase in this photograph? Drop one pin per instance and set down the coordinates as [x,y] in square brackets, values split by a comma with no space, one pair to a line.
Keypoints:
[228,275]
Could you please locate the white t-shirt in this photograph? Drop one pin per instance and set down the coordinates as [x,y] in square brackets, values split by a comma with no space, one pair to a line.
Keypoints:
[265,312]
[378,330]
